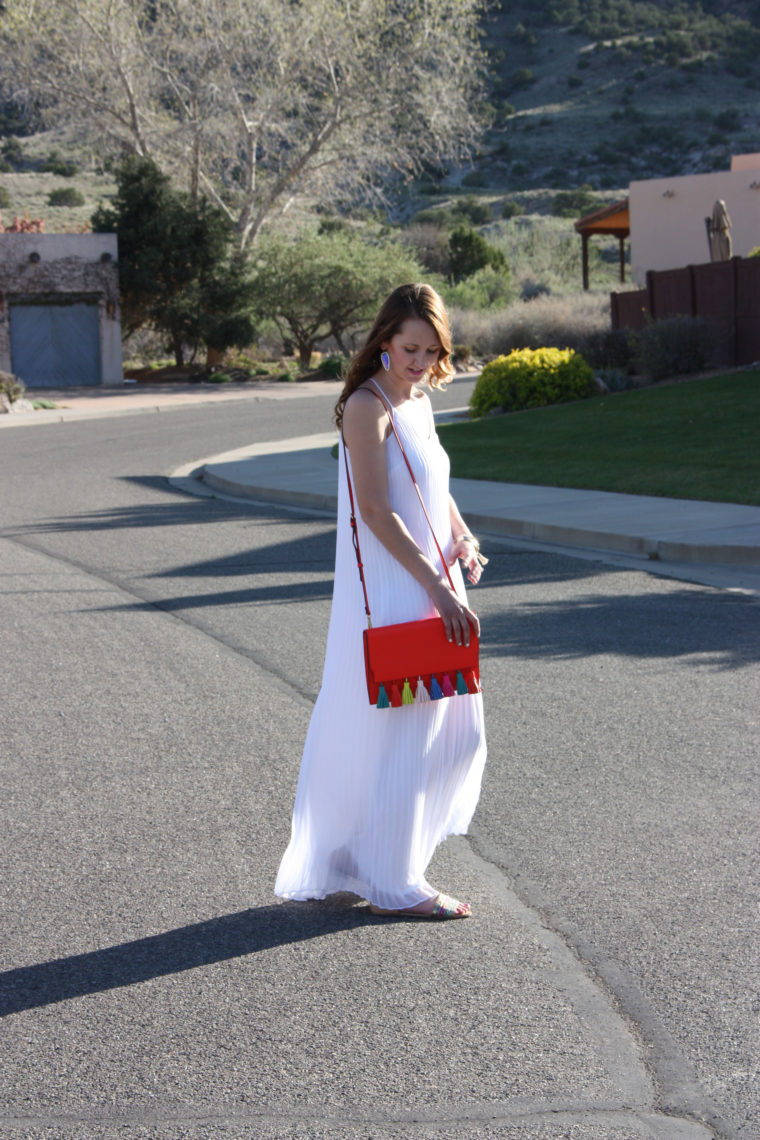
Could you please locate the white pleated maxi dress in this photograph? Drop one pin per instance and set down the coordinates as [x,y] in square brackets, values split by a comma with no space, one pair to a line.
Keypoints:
[379,789]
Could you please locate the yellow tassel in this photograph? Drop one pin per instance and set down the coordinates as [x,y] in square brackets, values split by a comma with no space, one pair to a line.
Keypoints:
[407,696]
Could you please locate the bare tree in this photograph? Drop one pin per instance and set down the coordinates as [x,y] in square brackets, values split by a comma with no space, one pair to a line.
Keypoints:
[256,102]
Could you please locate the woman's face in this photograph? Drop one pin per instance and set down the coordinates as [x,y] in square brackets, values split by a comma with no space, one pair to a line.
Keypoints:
[413,350]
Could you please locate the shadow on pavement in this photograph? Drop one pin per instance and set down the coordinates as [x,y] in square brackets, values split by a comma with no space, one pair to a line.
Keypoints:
[714,629]
[217,940]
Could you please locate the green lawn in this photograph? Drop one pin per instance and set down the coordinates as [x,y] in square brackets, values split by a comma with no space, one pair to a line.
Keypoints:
[695,440]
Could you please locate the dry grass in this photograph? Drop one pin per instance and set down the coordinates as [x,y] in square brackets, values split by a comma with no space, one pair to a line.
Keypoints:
[29,193]
[546,322]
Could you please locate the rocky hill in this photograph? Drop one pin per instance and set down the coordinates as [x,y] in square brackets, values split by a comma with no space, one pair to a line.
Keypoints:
[594,92]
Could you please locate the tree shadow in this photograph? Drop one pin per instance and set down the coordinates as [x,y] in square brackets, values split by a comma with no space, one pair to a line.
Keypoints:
[712,628]
[178,510]
[173,952]
[288,593]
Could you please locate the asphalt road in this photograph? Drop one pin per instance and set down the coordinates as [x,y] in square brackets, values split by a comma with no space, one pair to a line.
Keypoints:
[160,657]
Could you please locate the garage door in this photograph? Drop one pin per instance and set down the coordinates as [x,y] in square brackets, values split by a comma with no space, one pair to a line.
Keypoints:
[55,345]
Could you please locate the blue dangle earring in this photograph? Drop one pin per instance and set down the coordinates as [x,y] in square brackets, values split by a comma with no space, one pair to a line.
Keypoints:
[385,360]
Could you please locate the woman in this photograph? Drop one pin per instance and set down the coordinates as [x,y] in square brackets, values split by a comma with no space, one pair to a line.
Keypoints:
[379,789]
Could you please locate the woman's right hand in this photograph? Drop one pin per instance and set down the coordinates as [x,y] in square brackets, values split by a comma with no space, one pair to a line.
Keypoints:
[458,619]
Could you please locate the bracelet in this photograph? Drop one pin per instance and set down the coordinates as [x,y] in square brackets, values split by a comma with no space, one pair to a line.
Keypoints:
[474,542]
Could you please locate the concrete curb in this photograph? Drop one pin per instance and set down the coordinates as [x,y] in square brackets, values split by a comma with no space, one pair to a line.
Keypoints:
[656,529]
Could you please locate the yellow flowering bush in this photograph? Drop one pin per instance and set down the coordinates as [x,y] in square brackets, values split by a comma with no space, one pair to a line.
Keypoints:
[530,378]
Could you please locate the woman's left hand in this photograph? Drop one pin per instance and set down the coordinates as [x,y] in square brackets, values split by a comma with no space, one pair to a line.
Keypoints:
[466,551]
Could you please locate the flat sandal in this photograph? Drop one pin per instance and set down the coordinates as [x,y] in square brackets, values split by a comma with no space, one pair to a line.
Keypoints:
[444,907]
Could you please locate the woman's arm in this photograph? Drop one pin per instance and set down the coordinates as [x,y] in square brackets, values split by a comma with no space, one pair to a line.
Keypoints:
[465,546]
[365,428]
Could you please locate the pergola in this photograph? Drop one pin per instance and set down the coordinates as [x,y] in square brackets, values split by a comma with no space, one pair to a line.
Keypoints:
[615,220]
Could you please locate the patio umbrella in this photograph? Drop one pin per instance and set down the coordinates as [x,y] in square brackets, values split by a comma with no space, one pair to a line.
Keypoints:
[719,232]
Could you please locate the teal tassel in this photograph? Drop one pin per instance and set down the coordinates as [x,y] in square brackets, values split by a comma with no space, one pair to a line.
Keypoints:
[421,695]
[436,692]
[382,700]
[462,689]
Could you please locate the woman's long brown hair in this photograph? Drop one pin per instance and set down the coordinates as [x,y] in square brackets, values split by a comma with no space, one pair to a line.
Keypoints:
[404,303]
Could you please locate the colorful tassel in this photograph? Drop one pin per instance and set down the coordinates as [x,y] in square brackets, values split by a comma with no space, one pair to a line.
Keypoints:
[462,689]
[395,696]
[421,696]
[407,696]
[382,699]
[472,682]
[448,688]
[435,690]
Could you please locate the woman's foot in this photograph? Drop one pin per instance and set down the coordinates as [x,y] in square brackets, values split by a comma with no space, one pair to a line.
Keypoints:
[439,907]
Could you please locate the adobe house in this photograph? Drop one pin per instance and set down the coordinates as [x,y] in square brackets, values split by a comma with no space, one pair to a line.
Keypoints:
[614,220]
[59,309]
[667,216]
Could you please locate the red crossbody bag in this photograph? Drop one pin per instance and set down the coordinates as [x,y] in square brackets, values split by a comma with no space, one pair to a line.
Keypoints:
[413,661]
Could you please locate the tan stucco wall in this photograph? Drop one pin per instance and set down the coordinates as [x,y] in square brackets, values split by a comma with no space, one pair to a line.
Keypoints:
[668,218]
[68,263]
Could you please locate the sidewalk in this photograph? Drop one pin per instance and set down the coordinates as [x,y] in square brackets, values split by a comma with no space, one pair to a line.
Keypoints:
[302,472]
[135,399]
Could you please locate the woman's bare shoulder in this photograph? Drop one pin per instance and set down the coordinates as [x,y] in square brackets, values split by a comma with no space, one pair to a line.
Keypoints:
[363,413]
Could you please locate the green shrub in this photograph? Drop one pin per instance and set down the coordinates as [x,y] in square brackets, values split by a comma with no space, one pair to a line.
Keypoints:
[439,216]
[575,203]
[461,354]
[504,110]
[475,178]
[676,346]
[55,163]
[13,152]
[11,386]
[522,77]
[473,210]
[531,378]
[332,367]
[486,289]
[611,349]
[511,209]
[5,199]
[754,252]
[66,196]
[469,251]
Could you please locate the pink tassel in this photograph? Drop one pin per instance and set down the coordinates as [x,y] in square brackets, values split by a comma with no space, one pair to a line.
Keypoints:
[448,688]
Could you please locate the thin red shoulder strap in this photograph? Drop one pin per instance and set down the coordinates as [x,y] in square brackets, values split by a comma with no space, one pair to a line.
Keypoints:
[354,530]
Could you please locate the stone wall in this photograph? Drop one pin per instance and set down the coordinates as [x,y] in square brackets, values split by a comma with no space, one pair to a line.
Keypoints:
[72,267]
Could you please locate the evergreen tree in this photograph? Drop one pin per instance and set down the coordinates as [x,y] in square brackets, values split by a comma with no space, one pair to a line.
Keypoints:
[177,273]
